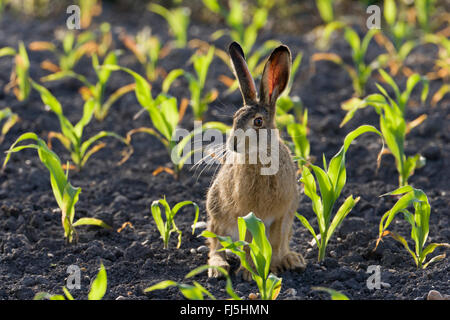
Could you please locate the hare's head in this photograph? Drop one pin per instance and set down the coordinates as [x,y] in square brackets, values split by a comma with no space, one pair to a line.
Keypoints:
[258,112]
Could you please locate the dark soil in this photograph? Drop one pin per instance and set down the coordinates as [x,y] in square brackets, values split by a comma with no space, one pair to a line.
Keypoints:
[34,256]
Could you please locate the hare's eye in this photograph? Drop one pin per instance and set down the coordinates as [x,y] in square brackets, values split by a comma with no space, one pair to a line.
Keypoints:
[258,122]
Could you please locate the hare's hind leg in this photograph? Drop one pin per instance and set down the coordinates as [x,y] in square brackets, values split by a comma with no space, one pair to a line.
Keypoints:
[282,257]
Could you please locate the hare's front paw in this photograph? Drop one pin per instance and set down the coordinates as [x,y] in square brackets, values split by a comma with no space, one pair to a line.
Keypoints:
[217,261]
[290,261]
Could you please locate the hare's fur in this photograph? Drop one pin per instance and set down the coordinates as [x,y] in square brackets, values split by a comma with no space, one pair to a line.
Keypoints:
[240,188]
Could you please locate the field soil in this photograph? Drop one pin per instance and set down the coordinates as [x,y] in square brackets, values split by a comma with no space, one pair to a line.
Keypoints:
[34,256]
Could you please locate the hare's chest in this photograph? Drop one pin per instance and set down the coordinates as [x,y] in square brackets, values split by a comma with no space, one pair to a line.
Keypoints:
[264,197]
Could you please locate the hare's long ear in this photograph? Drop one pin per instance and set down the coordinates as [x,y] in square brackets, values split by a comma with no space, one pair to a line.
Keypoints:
[246,83]
[275,76]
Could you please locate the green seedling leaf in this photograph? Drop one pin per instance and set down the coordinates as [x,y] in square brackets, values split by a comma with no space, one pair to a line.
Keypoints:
[99,285]
[335,295]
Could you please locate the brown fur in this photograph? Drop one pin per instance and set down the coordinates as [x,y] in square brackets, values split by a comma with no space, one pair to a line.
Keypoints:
[240,188]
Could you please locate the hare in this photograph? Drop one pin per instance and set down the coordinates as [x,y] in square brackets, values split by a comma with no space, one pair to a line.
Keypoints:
[240,188]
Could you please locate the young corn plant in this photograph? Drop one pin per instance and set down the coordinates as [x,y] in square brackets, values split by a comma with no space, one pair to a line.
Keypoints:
[177,19]
[397,40]
[97,291]
[167,226]
[165,115]
[331,179]
[392,120]
[298,132]
[196,291]
[89,9]
[199,100]
[424,14]
[243,32]
[399,28]
[260,250]
[360,71]
[71,136]
[441,69]
[96,91]
[235,17]
[419,224]
[326,11]
[20,76]
[10,118]
[65,194]
[73,49]
[148,49]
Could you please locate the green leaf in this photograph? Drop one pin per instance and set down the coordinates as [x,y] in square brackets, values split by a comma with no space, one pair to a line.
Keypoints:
[390,11]
[91,222]
[161,285]
[308,226]
[67,294]
[325,8]
[142,90]
[340,215]
[170,78]
[335,295]
[99,285]
[7,51]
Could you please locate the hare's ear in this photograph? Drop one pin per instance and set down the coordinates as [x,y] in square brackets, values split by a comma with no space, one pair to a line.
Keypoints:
[246,83]
[275,76]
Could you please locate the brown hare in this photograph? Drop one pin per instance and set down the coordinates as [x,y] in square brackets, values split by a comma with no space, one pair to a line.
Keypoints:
[240,188]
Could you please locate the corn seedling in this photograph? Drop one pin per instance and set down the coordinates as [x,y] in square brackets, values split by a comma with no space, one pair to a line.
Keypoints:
[89,9]
[235,17]
[74,47]
[167,226]
[360,71]
[331,179]
[399,28]
[20,76]
[392,120]
[10,118]
[97,291]
[35,8]
[65,194]
[199,100]
[147,48]
[177,19]
[300,144]
[326,11]
[260,251]
[441,68]
[243,33]
[419,224]
[165,115]
[196,291]
[71,136]
[335,295]
[424,12]
[96,91]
